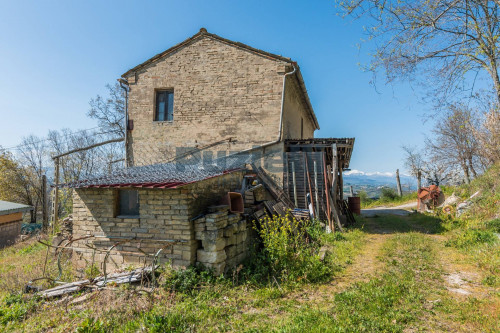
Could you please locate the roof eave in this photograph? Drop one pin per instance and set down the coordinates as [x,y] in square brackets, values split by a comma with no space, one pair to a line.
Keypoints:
[306,97]
[203,33]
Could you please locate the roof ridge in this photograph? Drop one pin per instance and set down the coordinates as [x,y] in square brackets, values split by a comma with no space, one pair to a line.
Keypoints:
[204,33]
[201,33]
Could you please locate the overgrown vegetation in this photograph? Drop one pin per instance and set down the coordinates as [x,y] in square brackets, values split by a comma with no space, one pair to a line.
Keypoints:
[285,286]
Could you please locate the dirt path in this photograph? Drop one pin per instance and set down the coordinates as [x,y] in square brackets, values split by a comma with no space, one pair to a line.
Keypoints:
[366,265]
[401,210]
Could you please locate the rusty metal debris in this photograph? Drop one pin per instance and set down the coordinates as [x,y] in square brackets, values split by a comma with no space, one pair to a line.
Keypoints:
[429,197]
[144,275]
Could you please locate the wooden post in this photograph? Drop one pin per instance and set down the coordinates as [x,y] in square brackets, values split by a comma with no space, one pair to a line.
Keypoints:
[398,183]
[316,187]
[45,218]
[56,194]
[306,204]
[341,184]
[351,191]
[328,204]
[294,185]
[335,191]
[309,182]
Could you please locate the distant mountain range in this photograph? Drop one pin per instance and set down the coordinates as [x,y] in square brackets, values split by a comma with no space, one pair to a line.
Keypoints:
[371,182]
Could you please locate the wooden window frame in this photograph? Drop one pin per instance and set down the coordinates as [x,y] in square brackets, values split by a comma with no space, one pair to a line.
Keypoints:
[155,104]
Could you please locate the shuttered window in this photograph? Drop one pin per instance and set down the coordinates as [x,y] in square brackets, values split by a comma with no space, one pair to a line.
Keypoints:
[164,105]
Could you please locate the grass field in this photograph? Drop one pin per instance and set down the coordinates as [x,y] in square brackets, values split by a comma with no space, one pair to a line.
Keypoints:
[389,274]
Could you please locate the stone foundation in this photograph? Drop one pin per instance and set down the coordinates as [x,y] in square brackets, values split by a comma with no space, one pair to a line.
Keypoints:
[225,240]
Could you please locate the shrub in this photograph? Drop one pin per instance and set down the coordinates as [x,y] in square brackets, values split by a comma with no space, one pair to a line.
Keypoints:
[364,198]
[169,322]
[471,237]
[289,251]
[188,280]
[388,194]
[92,325]
[14,308]
[494,225]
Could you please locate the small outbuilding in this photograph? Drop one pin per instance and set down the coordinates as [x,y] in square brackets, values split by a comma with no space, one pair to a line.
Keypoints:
[11,218]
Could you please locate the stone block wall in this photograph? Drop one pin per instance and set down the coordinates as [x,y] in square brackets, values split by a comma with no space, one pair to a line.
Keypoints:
[165,215]
[225,240]
[220,91]
[10,228]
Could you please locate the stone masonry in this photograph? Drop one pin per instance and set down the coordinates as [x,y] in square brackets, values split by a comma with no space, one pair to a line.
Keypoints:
[221,90]
[225,240]
[165,215]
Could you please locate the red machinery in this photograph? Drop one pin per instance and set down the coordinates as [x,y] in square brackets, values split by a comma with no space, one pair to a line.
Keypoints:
[429,197]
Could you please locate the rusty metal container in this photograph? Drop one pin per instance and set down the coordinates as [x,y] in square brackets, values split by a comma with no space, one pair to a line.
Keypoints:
[354,204]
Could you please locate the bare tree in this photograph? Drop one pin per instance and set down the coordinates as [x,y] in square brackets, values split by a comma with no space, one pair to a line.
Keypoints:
[445,43]
[488,132]
[109,111]
[415,163]
[436,173]
[33,158]
[454,143]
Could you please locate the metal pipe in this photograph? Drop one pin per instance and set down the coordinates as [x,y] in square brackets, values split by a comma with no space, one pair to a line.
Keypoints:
[125,86]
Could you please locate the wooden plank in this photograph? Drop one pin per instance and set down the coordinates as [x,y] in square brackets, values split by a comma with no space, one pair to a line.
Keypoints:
[115,278]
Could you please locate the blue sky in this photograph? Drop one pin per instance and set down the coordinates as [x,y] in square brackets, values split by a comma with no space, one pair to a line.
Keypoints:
[56,55]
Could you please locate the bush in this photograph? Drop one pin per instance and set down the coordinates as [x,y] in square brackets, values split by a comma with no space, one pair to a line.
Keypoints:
[494,225]
[289,251]
[188,280]
[388,194]
[14,308]
[471,237]
[92,325]
[169,322]
[364,198]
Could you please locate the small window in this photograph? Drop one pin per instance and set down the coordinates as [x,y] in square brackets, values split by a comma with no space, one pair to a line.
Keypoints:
[128,203]
[164,105]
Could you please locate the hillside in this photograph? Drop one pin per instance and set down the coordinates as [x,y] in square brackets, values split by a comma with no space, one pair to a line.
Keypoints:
[408,273]
[372,182]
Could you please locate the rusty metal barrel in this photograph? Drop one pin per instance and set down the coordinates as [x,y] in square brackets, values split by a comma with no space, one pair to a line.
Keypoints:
[354,204]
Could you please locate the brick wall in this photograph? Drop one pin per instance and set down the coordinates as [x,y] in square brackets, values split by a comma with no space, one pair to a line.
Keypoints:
[220,91]
[165,214]
[10,228]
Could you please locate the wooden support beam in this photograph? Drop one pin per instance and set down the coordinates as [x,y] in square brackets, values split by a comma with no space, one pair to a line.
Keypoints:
[56,194]
[45,217]
[86,148]
[294,186]
[334,189]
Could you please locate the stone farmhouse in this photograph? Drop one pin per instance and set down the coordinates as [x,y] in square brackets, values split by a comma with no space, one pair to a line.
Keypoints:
[208,120]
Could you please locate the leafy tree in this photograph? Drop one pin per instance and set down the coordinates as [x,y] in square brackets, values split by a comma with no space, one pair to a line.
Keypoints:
[17,183]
